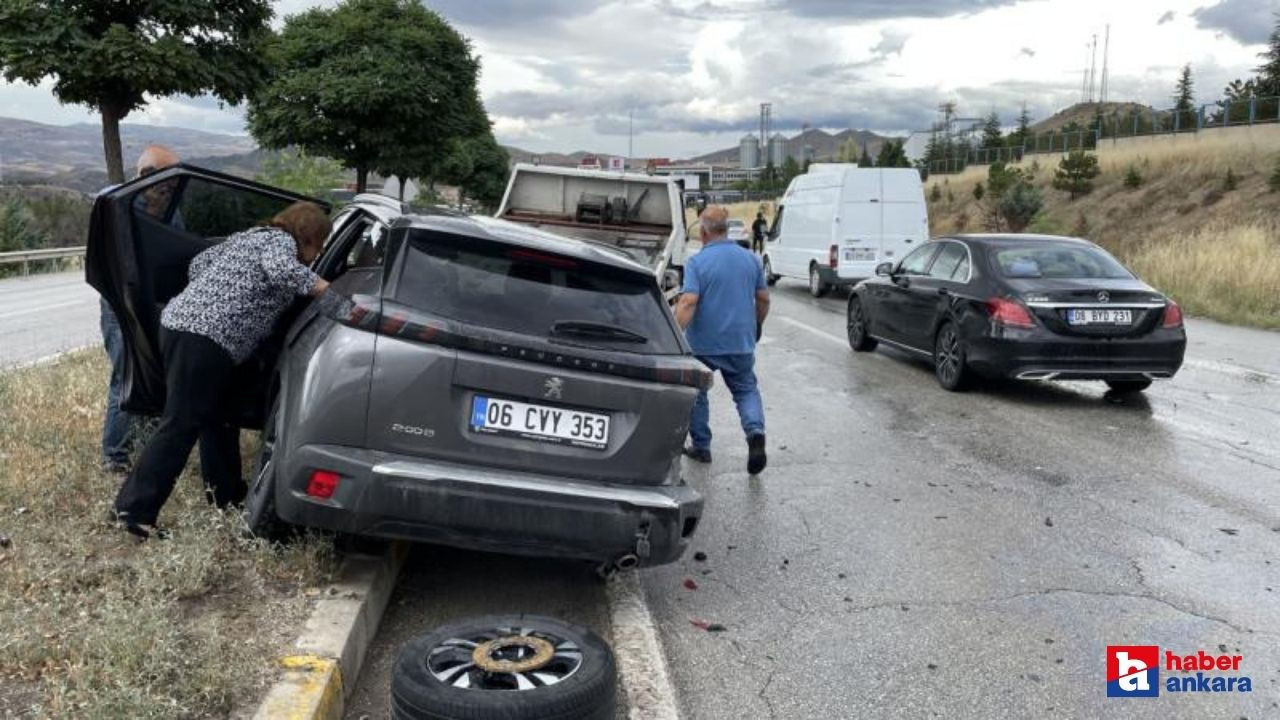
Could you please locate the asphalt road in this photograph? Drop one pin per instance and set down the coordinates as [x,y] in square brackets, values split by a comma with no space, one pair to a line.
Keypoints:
[42,315]
[915,553]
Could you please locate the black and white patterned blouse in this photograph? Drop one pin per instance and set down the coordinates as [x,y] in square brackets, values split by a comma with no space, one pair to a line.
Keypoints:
[239,288]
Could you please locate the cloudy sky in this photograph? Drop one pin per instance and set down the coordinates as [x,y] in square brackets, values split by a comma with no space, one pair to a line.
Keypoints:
[564,75]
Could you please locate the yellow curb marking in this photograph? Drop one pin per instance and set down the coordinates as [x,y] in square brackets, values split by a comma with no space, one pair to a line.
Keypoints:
[317,683]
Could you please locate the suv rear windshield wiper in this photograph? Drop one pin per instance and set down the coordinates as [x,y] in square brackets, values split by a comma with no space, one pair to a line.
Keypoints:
[601,331]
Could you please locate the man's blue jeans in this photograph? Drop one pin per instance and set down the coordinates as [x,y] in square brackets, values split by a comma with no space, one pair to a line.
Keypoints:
[118,426]
[739,376]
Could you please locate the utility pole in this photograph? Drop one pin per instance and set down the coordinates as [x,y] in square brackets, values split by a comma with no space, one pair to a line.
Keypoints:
[631,137]
[1093,65]
[1106,53]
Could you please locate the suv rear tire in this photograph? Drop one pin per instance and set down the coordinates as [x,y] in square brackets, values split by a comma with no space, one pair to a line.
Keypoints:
[260,518]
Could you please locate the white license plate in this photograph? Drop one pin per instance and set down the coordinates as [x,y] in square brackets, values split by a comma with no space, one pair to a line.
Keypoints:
[539,422]
[1088,316]
[859,254]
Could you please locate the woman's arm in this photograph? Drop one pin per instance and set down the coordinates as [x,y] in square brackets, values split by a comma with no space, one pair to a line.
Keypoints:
[280,264]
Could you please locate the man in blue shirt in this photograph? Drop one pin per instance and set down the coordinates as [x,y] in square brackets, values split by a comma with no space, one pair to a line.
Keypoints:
[722,308]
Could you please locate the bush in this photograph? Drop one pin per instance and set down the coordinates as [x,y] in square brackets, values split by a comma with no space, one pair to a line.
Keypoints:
[1076,172]
[1018,205]
[1230,182]
[979,191]
[936,193]
[1133,179]
[1274,181]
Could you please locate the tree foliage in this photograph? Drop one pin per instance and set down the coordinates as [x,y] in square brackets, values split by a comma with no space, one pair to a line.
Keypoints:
[893,153]
[381,85]
[110,56]
[864,160]
[479,167]
[295,170]
[1011,200]
[992,137]
[1076,172]
[1022,134]
[1133,179]
[1268,81]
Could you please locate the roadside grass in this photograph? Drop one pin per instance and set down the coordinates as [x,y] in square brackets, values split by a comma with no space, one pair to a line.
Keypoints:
[95,624]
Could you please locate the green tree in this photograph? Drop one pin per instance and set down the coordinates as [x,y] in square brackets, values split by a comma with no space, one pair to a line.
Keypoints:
[865,160]
[1133,178]
[979,191]
[992,137]
[110,56]
[1076,172]
[16,232]
[1184,98]
[790,169]
[295,170]
[1022,134]
[376,84]
[893,154]
[1268,80]
[479,167]
[848,151]
[1019,204]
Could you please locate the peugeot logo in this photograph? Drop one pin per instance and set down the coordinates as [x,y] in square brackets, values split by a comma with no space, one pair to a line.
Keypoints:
[1104,296]
[553,388]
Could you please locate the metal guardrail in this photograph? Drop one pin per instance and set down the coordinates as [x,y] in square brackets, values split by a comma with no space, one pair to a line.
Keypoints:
[26,257]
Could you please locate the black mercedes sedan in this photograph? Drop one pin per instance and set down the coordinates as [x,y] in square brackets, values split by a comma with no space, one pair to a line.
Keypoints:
[1030,307]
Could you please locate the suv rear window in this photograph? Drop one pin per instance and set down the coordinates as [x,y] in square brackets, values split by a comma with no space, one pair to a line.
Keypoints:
[507,287]
[1058,262]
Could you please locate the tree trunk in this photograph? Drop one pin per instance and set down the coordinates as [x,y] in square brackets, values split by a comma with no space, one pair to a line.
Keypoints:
[362,178]
[402,180]
[111,117]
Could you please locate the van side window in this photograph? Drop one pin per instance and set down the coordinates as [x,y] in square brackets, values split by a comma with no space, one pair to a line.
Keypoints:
[777,225]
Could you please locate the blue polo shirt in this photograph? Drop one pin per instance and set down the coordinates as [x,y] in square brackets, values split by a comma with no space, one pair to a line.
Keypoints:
[725,276]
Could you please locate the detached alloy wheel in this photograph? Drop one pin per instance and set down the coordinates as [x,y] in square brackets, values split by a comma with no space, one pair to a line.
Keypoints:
[856,319]
[505,667]
[817,288]
[949,359]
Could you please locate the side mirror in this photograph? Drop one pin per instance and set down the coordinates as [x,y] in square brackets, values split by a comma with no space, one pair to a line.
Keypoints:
[885,269]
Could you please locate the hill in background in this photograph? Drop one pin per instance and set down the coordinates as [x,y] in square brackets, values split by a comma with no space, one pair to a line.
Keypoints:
[1083,114]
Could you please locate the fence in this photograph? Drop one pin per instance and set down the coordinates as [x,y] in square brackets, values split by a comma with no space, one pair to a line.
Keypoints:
[54,256]
[1224,113]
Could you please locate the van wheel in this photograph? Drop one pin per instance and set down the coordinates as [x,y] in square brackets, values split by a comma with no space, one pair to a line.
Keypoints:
[769,276]
[260,517]
[949,359]
[856,319]
[817,288]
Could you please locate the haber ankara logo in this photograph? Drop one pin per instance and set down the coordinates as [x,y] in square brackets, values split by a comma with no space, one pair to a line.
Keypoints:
[1133,671]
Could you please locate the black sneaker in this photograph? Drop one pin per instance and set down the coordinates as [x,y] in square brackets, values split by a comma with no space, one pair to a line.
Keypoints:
[756,457]
[702,455]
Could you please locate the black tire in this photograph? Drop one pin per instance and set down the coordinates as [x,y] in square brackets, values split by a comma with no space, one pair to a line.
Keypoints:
[588,691]
[817,288]
[949,362]
[769,277]
[1128,386]
[260,518]
[856,326]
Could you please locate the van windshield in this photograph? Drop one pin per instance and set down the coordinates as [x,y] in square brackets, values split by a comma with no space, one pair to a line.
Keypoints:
[518,289]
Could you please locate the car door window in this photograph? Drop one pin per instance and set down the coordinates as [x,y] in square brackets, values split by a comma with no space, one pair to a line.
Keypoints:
[210,209]
[370,247]
[950,257]
[917,261]
[961,273]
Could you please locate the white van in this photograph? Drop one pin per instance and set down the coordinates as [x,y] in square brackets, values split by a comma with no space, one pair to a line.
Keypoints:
[837,222]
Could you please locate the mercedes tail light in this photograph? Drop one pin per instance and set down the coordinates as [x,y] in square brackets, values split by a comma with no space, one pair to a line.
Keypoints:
[1172,315]
[1010,313]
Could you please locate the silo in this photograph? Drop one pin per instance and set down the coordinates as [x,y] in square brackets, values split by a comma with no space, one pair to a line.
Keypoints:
[777,150]
[749,152]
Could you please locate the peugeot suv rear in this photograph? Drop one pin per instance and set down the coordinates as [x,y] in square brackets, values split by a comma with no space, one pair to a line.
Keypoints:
[493,387]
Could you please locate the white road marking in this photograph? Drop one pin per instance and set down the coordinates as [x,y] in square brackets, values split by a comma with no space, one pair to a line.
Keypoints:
[43,308]
[638,649]
[843,342]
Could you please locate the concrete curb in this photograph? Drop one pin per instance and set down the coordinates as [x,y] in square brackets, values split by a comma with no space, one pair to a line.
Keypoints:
[318,676]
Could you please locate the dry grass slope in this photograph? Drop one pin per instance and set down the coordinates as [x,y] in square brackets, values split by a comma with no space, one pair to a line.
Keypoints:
[1216,251]
[95,625]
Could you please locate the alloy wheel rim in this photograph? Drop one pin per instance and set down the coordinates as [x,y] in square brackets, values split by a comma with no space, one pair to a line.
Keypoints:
[855,321]
[948,355]
[504,659]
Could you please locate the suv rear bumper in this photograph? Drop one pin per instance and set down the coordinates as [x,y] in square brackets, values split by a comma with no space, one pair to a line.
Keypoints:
[391,496]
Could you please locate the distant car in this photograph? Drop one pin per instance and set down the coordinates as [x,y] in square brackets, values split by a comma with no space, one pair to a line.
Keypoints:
[1031,307]
[489,385]
[739,233]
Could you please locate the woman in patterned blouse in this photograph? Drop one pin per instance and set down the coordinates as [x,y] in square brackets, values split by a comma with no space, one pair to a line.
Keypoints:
[236,292]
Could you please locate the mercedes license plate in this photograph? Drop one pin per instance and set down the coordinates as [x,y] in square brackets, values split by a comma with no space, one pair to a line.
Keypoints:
[1092,316]
[539,422]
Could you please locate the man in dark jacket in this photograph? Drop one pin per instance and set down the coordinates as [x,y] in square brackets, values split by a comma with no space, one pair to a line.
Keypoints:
[759,229]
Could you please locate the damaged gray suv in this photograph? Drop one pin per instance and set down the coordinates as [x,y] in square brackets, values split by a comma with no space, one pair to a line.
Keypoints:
[488,386]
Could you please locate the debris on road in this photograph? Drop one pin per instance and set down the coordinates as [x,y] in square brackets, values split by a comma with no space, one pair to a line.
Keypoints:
[5,541]
[708,626]
[1229,531]
[690,584]
[1048,522]
[700,556]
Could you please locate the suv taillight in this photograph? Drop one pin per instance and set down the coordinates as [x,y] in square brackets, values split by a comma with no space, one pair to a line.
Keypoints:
[1172,315]
[833,257]
[1010,313]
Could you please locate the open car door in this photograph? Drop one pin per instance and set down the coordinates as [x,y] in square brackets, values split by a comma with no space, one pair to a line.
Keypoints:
[142,237]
